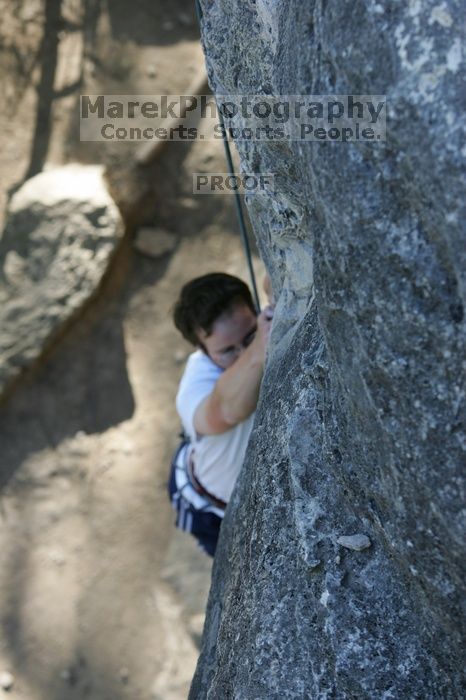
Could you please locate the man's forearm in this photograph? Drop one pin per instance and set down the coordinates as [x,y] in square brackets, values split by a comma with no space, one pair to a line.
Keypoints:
[237,389]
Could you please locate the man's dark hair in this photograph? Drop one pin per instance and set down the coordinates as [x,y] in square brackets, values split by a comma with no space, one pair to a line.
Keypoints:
[204,299]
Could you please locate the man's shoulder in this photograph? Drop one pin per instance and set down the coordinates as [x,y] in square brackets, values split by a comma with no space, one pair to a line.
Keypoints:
[200,372]
[198,361]
[197,382]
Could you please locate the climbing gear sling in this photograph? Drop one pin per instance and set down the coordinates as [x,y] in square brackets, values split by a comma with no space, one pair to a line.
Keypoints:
[197,511]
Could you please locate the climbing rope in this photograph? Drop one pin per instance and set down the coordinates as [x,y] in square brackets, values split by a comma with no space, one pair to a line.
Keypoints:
[238,203]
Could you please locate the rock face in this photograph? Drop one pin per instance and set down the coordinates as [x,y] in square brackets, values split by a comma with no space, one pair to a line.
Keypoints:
[61,231]
[359,437]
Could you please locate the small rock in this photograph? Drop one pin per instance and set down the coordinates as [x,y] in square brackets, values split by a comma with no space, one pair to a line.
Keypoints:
[338,559]
[313,563]
[123,675]
[355,542]
[151,72]
[14,268]
[324,598]
[179,356]
[90,68]
[70,676]
[7,680]
[185,19]
[155,242]
[188,202]
[126,445]
[57,558]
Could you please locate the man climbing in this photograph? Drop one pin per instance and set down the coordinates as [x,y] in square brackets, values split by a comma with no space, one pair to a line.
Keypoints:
[217,397]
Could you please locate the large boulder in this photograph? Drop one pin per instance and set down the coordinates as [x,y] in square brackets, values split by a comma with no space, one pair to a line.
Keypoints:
[340,570]
[61,232]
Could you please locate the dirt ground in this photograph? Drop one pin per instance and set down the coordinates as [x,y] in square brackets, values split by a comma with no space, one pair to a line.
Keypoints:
[100,596]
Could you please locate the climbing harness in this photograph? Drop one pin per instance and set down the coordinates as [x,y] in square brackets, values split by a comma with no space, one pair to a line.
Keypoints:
[199,488]
[197,511]
[238,203]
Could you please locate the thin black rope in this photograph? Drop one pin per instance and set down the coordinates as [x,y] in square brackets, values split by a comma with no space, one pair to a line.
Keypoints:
[238,202]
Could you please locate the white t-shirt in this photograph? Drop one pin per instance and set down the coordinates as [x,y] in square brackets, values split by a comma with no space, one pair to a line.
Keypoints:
[217,458]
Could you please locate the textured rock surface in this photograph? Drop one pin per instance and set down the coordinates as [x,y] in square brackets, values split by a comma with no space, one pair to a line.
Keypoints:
[360,427]
[61,231]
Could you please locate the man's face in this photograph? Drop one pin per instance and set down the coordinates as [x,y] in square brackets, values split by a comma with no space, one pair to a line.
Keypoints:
[231,333]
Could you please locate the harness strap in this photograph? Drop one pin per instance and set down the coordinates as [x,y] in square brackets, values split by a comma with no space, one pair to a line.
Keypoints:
[217,502]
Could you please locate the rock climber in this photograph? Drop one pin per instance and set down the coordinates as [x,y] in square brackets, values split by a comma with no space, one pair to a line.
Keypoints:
[217,397]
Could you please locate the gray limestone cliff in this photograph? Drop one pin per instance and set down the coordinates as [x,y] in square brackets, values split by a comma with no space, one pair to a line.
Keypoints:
[340,571]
